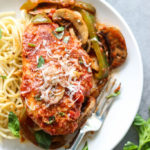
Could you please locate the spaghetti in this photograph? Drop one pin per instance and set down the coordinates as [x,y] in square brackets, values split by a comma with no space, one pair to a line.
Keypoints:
[10,70]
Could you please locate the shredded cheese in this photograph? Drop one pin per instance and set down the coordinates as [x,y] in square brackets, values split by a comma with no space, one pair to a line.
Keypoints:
[60,75]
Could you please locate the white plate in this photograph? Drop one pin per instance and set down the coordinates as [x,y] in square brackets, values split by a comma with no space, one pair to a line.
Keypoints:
[130,74]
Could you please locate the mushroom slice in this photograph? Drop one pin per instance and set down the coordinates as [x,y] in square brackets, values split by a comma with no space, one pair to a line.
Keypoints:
[87,112]
[94,64]
[76,20]
[116,45]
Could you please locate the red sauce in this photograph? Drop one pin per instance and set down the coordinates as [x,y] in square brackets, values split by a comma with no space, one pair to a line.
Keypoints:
[47,45]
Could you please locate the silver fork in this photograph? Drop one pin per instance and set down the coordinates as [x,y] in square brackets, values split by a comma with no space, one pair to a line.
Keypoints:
[95,122]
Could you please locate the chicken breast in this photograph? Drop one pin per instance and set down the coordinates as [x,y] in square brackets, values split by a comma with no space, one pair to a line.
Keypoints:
[56,78]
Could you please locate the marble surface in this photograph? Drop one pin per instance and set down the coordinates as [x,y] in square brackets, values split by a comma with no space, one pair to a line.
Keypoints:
[137,15]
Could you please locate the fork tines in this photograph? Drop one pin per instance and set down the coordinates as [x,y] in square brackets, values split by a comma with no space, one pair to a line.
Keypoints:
[103,102]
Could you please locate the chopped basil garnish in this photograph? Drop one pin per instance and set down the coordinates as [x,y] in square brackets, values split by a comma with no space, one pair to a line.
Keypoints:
[43,139]
[13,124]
[3,77]
[80,61]
[62,114]
[51,119]
[38,97]
[41,61]
[59,29]
[0,33]
[66,39]
[113,94]
[31,45]
[58,35]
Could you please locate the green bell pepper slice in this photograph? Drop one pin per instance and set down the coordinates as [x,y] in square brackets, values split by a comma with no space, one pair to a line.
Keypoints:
[103,64]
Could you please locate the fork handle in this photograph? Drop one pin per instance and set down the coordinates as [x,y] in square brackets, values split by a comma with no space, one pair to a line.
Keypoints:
[77,141]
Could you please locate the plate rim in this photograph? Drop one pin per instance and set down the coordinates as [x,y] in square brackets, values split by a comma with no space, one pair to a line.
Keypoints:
[117,14]
[120,17]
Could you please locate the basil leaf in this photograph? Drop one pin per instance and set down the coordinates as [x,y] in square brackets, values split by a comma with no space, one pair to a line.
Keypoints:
[66,39]
[62,114]
[115,94]
[41,61]
[43,139]
[13,124]
[146,146]
[143,128]
[51,120]
[85,146]
[139,121]
[38,97]
[130,146]
[0,33]
[3,77]
[59,35]
[31,45]
[59,29]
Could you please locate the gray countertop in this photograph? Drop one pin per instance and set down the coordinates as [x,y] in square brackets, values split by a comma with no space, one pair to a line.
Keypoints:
[137,15]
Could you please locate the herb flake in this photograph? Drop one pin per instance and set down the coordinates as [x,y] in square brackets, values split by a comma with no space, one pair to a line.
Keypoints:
[51,119]
[38,97]
[62,114]
[59,29]
[58,35]
[115,94]
[41,61]
[3,77]
[43,139]
[13,124]
[66,39]
[31,45]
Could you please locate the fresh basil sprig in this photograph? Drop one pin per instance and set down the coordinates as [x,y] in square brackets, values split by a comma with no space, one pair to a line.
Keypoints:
[143,128]
[43,139]
[13,124]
